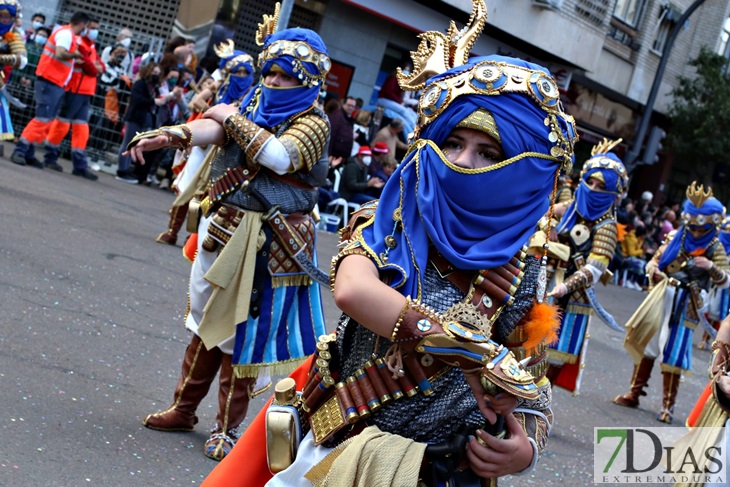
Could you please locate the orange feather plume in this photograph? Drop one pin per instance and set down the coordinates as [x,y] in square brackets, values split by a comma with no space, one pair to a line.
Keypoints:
[541,326]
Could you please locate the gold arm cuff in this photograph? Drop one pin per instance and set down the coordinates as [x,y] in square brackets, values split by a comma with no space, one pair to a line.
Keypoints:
[249,136]
[9,59]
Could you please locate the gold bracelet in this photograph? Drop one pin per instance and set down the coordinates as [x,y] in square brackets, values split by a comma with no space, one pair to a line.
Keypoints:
[399,321]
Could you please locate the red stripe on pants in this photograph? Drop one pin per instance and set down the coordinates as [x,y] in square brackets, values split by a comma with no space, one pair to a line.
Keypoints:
[35,132]
[80,136]
[57,132]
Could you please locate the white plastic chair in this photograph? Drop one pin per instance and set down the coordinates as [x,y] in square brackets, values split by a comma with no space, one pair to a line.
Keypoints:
[340,206]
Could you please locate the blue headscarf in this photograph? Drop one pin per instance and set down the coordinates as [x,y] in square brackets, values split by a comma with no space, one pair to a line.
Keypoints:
[12,9]
[592,204]
[478,220]
[272,106]
[683,240]
[235,87]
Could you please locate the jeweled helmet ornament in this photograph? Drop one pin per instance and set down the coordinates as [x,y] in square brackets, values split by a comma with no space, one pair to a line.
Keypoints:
[436,70]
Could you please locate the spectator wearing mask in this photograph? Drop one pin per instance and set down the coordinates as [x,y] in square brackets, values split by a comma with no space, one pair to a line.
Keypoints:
[140,115]
[34,49]
[355,181]
[37,21]
[171,110]
[119,57]
[74,112]
[53,73]
[667,224]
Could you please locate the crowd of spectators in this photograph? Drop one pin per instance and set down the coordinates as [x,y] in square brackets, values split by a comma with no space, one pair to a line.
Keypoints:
[645,228]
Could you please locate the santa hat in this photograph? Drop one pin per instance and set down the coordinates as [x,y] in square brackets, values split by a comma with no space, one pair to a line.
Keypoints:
[381,148]
[364,151]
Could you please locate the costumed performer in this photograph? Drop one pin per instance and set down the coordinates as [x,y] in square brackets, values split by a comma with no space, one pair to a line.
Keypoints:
[588,230]
[434,281]
[711,411]
[12,54]
[236,73]
[685,266]
[252,309]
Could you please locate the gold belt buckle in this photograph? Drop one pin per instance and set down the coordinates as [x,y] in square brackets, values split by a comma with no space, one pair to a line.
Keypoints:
[326,420]
[674,282]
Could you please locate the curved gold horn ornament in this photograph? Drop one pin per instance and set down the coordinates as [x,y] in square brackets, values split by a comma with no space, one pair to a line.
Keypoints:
[268,26]
[438,52]
[605,146]
[224,49]
[697,194]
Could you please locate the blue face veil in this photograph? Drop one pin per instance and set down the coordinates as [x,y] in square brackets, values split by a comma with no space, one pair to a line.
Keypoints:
[684,240]
[592,204]
[477,219]
[234,87]
[300,53]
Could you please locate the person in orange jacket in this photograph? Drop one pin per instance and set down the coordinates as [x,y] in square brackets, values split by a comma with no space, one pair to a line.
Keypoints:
[75,107]
[54,71]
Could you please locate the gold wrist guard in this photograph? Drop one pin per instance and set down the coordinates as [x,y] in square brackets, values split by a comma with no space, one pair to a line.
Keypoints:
[178,136]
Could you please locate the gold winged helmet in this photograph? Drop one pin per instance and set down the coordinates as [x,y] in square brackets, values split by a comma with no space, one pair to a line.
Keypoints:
[301,52]
[599,160]
[698,196]
[438,53]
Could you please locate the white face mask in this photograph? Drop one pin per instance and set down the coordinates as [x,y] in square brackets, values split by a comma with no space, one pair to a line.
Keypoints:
[37,25]
[126,42]
[93,34]
[367,160]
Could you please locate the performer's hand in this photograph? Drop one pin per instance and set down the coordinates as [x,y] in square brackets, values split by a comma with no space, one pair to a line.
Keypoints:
[220,112]
[558,291]
[503,403]
[474,381]
[500,457]
[146,145]
[703,262]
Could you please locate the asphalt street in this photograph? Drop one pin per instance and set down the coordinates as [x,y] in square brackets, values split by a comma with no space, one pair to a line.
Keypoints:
[91,340]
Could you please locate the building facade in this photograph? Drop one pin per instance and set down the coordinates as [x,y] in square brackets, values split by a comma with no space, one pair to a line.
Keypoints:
[604,53]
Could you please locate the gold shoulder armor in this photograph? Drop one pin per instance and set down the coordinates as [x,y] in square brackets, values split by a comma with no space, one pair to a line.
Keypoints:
[306,141]
[604,241]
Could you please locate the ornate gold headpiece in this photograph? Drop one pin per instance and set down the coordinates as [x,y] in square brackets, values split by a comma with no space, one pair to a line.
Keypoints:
[437,53]
[697,194]
[725,227]
[227,49]
[224,49]
[599,161]
[268,26]
[605,146]
[300,51]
